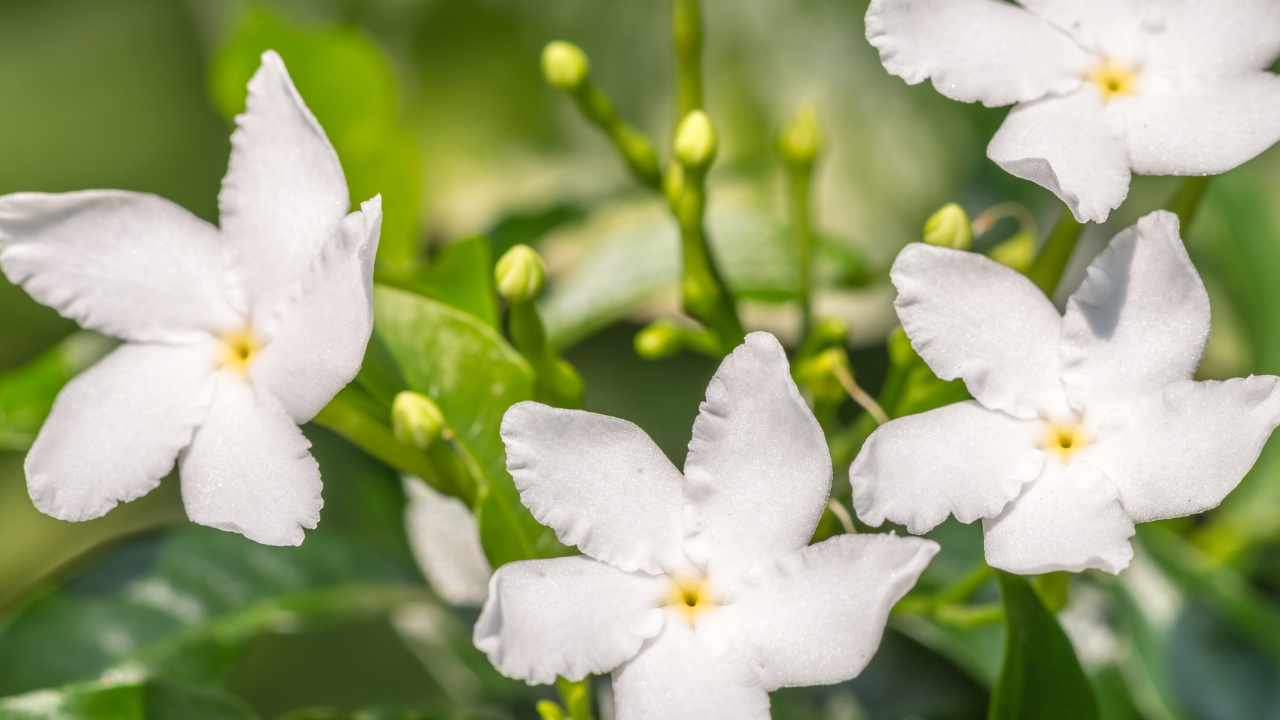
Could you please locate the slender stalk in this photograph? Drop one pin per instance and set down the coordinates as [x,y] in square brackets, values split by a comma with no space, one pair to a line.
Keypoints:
[632,145]
[686,30]
[859,396]
[703,291]
[800,205]
[1187,199]
[1046,271]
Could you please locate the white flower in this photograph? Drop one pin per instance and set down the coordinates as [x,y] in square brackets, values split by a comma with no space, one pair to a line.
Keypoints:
[1103,87]
[232,336]
[445,540]
[697,591]
[1082,424]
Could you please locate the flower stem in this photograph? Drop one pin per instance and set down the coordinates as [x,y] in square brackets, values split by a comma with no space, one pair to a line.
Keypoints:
[1186,200]
[1046,271]
[686,30]
[703,292]
[800,206]
[634,146]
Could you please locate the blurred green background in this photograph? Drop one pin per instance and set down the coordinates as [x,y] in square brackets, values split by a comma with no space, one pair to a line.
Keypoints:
[440,106]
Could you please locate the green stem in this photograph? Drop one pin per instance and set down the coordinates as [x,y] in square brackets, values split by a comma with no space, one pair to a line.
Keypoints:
[800,202]
[344,418]
[686,30]
[1186,200]
[703,291]
[1046,271]
[576,697]
[557,382]
[634,147]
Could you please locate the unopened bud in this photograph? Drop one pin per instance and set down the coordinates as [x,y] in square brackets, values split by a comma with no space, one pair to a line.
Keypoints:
[657,341]
[801,139]
[818,373]
[696,140]
[519,274]
[829,331]
[1017,252]
[949,227]
[564,65]
[416,420]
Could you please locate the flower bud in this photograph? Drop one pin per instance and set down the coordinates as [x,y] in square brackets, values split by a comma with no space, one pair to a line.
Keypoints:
[519,274]
[829,331]
[564,65]
[657,341]
[949,227]
[1017,252]
[696,141]
[415,419]
[818,373]
[801,139]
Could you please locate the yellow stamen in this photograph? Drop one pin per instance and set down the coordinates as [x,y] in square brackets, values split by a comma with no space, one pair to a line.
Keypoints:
[1064,439]
[1114,80]
[239,347]
[690,598]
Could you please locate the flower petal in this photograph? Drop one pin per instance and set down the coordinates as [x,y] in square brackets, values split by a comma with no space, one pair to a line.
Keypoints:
[1067,146]
[815,617]
[1186,447]
[249,469]
[972,318]
[974,50]
[1204,128]
[1105,27]
[116,428]
[130,265]
[1068,519]
[1213,39]
[1140,319]
[284,193]
[681,676]
[758,471]
[962,460]
[317,339]
[567,616]
[445,540]
[599,482]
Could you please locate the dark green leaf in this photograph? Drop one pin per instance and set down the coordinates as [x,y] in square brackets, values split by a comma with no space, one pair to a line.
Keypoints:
[27,393]
[1041,677]
[140,700]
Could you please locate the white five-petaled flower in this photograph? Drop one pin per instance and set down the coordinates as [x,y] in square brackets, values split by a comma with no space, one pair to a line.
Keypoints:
[1082,423]
[1104,88]
[698,591]
[233,335]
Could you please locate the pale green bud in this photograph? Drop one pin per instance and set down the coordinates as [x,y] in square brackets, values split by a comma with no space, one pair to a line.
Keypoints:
[829,331]
[519,274]
[659,340]
[818,373]
[1017,252]
[801,139]
[696,141]
[416,420]
[564,65]
[949,227]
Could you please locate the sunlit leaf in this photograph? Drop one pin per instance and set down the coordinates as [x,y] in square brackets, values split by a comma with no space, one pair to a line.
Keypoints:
[27,393]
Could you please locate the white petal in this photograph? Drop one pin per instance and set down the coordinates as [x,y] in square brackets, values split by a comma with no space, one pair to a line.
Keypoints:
[284,193]
[116,428]
[249,469]
[1113,28]
[682,676]
[317,338]
[445,540]
[1212,39]
[130,265]
[567,616]
[599,482]
[1140,319]
[1066,146]
[816,616]
[1204,128]
[1186,447]
[962,460]
[1068,519]
[974,49]
[758,471]
[972,318]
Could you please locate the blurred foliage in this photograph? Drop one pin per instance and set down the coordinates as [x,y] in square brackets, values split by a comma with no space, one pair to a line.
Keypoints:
[439,106]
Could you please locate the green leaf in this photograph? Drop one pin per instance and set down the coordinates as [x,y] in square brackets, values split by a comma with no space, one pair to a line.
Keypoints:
[1041,677]
[461,275]
[140,700]
[350,85]
[27,393]
[474,376]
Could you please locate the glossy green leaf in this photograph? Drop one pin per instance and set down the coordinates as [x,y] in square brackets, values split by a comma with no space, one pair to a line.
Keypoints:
[27,392]
[140,700]
[461,275]
[1041,677]
[474,376]
[350,85]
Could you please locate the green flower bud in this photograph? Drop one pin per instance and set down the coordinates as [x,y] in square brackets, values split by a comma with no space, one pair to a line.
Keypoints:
[829,331]
[1017,252]
[949,227]
[801,139]
[659,340]
[564,65]
[519,274]
[416,420]
[696,141]
[817,373]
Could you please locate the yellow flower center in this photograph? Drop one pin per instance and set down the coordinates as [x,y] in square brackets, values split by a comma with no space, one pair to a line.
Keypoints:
[1064,439]
[239,347]
[1114,80]
[690,598]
